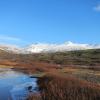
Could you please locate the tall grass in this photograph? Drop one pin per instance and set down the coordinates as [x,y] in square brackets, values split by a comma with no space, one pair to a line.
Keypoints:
[34,97]
[55,87]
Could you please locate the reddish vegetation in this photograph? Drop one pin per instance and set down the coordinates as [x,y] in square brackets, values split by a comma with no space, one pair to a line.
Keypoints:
[30,67]
[58,86]
[7,62]
[55,87]
[36,67]
[34,97]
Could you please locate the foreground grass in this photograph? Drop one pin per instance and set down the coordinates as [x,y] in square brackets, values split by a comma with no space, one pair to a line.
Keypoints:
[66,83]
[92,76]
[57,87]
[37,74]
[63,64]
[4,66]
[69,84]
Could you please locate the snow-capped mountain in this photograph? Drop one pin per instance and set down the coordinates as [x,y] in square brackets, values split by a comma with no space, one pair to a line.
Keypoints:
[44,47]
[67,46]
[10,48]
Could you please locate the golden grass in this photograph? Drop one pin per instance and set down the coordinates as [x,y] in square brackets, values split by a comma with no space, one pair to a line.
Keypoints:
[58,87]
[5,66]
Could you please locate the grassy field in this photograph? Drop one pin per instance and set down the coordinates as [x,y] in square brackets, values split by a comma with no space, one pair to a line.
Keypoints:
[55,86]
[4,66]
[74,74]
[82,57]
[84,74]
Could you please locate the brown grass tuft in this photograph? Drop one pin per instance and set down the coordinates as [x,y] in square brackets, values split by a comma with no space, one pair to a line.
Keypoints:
[55,87]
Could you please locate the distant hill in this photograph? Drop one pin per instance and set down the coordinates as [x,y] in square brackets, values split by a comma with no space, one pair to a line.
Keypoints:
[89,57]
[48,48]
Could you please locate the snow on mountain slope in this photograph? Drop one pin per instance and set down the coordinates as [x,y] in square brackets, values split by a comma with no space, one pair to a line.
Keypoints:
[68,46]
[44,47]
[10,48]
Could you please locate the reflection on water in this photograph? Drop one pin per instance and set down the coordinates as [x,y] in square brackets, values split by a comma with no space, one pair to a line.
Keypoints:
[15,85]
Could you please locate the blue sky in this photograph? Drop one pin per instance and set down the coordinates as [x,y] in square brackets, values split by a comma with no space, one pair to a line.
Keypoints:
[24,22]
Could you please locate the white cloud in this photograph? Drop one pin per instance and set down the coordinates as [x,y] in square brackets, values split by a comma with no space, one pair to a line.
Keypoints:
[97,8]
[9,38]
[5,39]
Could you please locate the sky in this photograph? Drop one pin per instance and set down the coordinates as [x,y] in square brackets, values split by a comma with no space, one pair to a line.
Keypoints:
[23,22]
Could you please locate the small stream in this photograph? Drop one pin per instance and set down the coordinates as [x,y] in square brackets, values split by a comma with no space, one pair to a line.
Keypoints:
[15,85]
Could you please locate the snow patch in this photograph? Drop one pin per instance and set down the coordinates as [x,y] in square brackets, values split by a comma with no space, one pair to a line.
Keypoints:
[46,47]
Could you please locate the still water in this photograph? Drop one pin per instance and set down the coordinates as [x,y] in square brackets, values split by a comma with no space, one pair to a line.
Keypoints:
[15,85]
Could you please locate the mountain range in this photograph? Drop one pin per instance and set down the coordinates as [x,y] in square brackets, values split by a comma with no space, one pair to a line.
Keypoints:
[45,47]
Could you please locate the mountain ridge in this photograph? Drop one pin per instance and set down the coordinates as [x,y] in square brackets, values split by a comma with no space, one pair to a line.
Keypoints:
[46,47]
